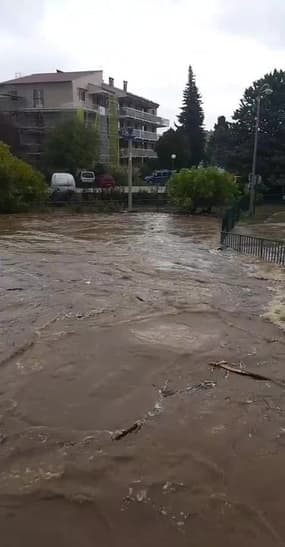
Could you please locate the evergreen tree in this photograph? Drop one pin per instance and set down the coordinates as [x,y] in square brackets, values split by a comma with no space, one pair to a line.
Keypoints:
[219,144]
[191,119]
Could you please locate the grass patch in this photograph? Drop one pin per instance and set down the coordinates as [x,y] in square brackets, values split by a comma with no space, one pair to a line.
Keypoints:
[266,213]
[268,222]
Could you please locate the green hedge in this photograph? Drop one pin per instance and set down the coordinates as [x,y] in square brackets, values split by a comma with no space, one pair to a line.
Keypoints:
[202,188]
[21,186]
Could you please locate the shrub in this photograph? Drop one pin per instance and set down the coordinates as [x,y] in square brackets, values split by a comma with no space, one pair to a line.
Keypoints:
[21,186]
[120,175]
[202,188]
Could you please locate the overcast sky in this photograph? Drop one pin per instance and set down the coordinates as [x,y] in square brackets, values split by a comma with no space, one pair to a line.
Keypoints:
[150,43]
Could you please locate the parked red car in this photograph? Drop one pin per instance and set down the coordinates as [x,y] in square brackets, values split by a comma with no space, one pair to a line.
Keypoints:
[105,181]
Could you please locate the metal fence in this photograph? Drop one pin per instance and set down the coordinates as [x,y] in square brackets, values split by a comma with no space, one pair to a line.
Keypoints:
[265,249]
[115,201]
[233,214]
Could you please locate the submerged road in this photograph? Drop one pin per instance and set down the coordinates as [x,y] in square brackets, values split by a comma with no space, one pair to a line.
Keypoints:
[114,428]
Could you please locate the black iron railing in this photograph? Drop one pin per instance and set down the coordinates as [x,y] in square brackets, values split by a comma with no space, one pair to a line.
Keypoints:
[265,249]
[115,201]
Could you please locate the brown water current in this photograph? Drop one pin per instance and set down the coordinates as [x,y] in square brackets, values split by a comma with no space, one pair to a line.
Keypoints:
[115,430]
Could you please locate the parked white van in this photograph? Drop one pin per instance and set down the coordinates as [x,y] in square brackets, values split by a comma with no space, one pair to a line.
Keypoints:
[62,182]
[86,177]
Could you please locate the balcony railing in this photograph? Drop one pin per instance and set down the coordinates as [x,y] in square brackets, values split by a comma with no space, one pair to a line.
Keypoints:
[31,128]
[139,153]
[127,112]
[145,135]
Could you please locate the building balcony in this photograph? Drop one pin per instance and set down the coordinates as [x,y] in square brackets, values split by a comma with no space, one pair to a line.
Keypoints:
[30,129]
[67,107]
[132,113]
[139,153]
[145,135]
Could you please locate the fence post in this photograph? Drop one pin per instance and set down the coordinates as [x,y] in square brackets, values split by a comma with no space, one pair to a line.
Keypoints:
[239,243]
[271,251]
[261,248]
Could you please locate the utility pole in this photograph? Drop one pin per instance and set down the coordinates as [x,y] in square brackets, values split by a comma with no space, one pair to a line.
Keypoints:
[265,90]
[253,171]
[130,173]
[128,135]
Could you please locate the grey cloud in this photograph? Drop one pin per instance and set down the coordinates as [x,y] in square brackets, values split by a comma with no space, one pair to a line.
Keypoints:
[26,48]
[20,16]
[262,20]
[30,57]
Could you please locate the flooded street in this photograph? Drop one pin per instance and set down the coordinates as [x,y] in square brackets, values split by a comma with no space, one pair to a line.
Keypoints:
[114,428]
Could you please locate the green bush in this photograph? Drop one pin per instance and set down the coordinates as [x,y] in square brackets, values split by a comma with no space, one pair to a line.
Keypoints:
[120,175]
[138,180]
[202,188]
[21,186]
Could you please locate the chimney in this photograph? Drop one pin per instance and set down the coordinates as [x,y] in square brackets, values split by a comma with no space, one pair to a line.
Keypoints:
[125,85]
[111,82]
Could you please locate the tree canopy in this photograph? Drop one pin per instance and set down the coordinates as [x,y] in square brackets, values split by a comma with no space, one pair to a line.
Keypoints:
[231,144]
[71,146]
[9,133]
[219,144]
[21,186]
[191,119]
[172,142]
[271,147]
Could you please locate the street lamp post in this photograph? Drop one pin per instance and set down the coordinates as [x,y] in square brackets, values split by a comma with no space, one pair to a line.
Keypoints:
[265,90]
[130,173]
[128,135]
[173,158]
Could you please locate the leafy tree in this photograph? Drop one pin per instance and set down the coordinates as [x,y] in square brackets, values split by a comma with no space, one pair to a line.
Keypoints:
[271,147]
[172,142]
[219,144]
[9,133]
[191,119]
[71,146]
[202,188]
[21,186]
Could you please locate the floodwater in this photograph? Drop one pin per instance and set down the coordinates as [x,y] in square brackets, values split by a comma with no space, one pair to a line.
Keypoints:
[114,427]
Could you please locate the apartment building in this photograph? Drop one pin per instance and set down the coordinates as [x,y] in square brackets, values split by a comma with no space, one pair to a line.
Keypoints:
[38,102]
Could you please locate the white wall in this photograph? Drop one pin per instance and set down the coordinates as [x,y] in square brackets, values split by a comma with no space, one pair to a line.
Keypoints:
[82,83]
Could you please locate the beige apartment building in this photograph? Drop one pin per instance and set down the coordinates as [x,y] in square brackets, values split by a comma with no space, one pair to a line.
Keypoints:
[38,102]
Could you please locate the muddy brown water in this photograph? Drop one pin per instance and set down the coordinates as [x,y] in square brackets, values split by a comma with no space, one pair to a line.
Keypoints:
[110,322]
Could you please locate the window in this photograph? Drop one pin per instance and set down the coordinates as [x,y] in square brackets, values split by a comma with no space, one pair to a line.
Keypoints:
[82,95]
[38,98]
